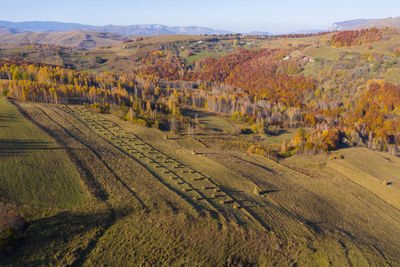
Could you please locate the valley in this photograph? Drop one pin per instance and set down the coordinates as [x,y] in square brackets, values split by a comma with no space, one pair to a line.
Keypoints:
[199,147]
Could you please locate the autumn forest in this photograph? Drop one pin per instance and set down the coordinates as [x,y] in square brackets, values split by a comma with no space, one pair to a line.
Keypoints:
[262,87]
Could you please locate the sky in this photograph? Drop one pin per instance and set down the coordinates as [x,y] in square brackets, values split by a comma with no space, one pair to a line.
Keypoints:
[275,16]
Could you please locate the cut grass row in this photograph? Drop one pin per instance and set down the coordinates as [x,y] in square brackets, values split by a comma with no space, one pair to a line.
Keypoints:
[195,187]
[255,208]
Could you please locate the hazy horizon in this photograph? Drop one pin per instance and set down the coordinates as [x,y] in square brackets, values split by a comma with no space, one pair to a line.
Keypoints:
[235,16]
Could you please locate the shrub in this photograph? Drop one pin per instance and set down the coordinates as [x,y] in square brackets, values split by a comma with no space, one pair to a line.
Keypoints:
[120,111]
[100,108]
[100,60]
[286,154]
[262,151]
[319,141]
[376,67]
[258,128]
[390,64]
[397,52]
[12,225]
[246,131]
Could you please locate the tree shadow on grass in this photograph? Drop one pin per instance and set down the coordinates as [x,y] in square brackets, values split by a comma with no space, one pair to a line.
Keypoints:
[63,239]
[254,164]
[193,113]
[9,118]
[266,192]
[201,115]
[23,146]
[6,119]
[276,132]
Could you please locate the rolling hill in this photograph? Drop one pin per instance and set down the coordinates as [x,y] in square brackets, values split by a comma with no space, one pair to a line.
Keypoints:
[8,30]
[381,23]
[365,23]
[348,24]
[152,200]
[81,40]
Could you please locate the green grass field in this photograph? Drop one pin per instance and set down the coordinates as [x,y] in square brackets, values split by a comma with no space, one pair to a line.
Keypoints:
[34,169]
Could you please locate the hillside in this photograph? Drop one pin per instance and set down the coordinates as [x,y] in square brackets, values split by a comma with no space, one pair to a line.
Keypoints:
[349,24]
[8,30]
[151,192]
[381,23]
[365,24]
[79,40]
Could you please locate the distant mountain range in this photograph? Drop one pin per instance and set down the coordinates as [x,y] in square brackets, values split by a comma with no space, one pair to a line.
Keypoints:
[158,29]
[308,31]
[87,36]
[79,39]
[365,23]
[257,33]
[142,30]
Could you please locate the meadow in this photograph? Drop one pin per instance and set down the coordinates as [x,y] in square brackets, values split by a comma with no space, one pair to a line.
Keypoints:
[147,198]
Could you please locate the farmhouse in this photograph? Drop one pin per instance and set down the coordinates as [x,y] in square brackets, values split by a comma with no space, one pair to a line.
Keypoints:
[308,59]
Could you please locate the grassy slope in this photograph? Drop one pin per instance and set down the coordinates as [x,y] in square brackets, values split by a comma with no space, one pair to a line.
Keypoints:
[360,181]
[326,205]
[35,170]
[66,39]
[299,204]
[278,215]
[317,48]
[138,217]
[377,172]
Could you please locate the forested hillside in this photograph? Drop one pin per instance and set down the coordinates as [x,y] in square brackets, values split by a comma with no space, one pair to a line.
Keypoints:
[267,87]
